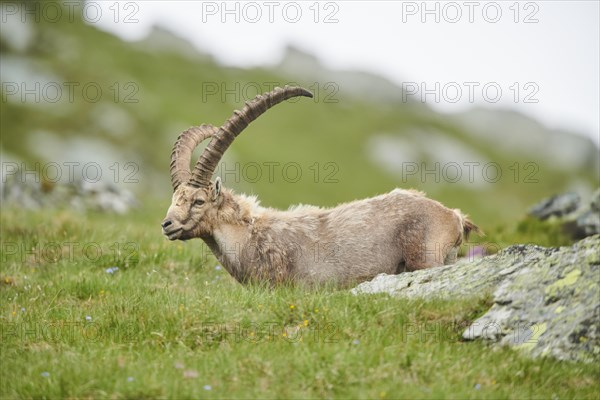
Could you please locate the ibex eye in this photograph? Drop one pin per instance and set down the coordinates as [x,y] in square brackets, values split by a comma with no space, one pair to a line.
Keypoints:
[199,202]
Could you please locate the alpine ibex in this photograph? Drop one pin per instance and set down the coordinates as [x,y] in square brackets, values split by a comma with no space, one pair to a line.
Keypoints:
[391,233]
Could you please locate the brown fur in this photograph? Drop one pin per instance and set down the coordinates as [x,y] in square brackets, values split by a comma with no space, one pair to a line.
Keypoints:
[399,231]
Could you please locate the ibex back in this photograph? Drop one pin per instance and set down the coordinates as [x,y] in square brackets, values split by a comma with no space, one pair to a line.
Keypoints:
[395,232]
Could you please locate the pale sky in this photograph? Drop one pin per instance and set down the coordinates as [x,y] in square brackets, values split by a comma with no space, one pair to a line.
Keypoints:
[544,51]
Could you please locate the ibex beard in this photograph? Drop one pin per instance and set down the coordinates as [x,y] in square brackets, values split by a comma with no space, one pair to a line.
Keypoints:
[395,232]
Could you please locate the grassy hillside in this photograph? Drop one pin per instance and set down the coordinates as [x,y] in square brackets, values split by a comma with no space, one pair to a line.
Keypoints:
[150,92]
[169,323]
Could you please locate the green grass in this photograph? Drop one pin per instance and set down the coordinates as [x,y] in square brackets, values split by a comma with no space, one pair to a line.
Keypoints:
[527,230]
[168,323]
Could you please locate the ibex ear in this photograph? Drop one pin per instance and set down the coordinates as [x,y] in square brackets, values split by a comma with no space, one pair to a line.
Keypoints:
[216,188]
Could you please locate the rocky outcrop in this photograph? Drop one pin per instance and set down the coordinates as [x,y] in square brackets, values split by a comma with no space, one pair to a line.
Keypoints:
[546,300]
[556,206]
[77,195]
[587,219]
[579,219]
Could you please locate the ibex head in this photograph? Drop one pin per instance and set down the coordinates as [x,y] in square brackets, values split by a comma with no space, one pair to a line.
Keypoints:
[198,204]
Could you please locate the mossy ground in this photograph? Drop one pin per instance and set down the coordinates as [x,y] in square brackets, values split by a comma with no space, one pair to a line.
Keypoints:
[169,324]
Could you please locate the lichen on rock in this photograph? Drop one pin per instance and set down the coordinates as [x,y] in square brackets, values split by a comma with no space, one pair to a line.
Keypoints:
[551,307]
[546,300]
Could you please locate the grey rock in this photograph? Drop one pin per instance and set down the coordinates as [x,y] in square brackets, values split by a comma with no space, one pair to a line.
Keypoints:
[595,202]
[551,307]
[558,206]
[79,195]
[578,219]
[467,277]
[546,300]
[587,221]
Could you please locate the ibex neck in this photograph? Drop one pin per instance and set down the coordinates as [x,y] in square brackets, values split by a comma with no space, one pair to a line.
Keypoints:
[232,230]
[238,209]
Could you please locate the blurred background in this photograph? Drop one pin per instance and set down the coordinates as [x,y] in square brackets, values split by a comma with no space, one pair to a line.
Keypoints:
[486,106]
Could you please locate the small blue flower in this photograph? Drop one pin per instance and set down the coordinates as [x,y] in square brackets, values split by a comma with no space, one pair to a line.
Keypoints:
[88,318]
[356,341]
[218,268]
[45,374]
[112,270]
[477,386]
[130,379]
[207,387]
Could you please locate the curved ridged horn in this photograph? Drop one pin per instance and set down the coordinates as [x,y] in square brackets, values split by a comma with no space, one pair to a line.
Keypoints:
[183,149]
[227,133]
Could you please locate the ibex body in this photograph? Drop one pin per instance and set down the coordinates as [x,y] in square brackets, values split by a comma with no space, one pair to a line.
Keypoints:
[391,233]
